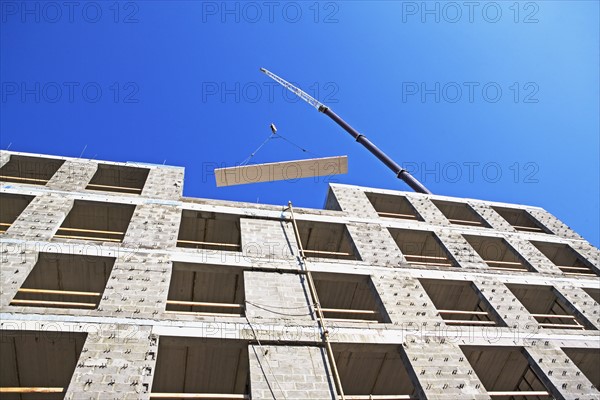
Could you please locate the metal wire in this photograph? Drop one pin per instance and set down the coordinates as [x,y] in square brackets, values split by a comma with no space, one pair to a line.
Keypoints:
[275,136]
[256,151]
[267,361]
[277,312]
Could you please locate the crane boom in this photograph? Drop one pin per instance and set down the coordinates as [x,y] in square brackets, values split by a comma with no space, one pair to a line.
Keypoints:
[400,172]
[297,91]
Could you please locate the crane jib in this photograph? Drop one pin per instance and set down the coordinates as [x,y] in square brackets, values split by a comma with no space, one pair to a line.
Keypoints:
[400,172]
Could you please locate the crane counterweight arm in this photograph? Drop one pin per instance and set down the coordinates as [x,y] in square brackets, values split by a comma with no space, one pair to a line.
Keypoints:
[400,172]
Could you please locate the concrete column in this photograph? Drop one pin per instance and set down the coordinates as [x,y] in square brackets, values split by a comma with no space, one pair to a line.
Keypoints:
[117,361]
[441,370]
[138,286]
[375,245]
[164,183]
[16,264]
[555,225]
[582,302]
[493,218]
[530,253]
[42,218]
[153,226]
[74,175]
[589,252]
[558,373]
[508,307]
[407,304]
[4,157]
[353,201]
[460,249]
[427,210]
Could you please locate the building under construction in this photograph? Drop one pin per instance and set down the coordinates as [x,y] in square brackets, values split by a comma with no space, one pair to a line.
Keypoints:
[115,286]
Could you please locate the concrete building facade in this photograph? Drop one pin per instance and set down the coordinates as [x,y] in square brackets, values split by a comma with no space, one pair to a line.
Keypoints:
[115,286]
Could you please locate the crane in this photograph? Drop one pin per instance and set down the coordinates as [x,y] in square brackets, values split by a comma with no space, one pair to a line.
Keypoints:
[400,172]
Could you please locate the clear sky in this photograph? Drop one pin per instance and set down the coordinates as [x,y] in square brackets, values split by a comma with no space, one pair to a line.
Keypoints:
[488,100]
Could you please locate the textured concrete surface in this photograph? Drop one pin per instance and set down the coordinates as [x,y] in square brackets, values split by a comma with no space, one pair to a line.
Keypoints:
[119,355]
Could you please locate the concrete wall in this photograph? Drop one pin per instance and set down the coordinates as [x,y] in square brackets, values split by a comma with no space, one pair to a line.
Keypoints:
[121,349]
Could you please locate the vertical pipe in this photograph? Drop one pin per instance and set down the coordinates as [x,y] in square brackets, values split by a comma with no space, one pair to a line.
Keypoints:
[317,306]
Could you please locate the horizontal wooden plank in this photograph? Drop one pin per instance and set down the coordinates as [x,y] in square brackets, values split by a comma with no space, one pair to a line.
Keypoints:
[553,316]
[87,238]
[51,303]
[90,231]
[200,313]
[334,253]
[95,186]
[574,268]
[425,257]
[60,292]
[437,264]
[528,228]
[380,397]
[371,321]
[199,396]
[468,322]
[387,214]
[203,304]
[209,243]
[498,262]
[19,178]
[519,393]
[462,312]
[31,390]
[348,311]
[577,326]
[287,170]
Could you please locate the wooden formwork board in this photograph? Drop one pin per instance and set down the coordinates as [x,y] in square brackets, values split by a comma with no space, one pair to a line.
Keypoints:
[279,171]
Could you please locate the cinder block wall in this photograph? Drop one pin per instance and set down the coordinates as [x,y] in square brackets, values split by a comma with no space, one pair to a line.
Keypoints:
[120,352]
[290,372]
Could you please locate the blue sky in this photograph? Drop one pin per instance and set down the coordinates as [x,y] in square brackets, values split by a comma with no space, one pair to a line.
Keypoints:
[493,100]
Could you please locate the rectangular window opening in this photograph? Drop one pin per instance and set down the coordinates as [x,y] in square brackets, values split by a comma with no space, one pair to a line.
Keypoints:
[349,297]
[548,307]
[422,248]
[327,240]
[586,359]
[209,230]
[65,281]
[30,170]
[460,213]
[372,371]
[11,206]
[505,372]
[91,220]
[119,178]
[390,206]
[566,259]
[498,254]
[521,220]
[201,366]
[38,364]
[460,303]
[206,289]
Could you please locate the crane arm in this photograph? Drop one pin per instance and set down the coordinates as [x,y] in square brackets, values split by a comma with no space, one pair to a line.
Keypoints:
[297,91]
[400,172]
